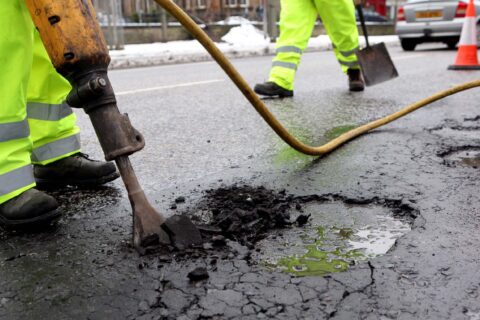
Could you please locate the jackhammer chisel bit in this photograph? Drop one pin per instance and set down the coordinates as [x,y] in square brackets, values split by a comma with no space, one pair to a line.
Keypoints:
[77,48]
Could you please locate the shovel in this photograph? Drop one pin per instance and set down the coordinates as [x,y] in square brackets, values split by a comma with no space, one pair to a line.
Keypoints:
[375,62]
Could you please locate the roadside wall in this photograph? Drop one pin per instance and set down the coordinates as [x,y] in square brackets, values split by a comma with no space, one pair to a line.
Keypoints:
[153,33]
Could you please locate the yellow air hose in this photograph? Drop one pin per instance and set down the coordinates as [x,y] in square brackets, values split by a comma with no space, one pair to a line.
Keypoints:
[258,104]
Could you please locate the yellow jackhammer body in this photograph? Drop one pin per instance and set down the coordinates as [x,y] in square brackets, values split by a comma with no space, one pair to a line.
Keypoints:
[77,48]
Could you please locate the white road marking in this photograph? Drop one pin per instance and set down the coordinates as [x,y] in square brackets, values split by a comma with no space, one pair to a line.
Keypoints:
[187,84]
[409,57]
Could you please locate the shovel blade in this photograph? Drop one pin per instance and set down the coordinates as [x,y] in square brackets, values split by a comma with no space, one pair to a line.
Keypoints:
[376,64]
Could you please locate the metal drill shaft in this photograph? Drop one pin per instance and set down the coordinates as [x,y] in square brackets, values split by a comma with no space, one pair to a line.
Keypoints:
[147,221]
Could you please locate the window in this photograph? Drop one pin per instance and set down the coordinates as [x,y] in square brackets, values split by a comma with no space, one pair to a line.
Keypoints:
[244,3]
[201,4]
[231,3]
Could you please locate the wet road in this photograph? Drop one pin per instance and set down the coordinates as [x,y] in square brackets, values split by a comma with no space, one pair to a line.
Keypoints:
[201,134]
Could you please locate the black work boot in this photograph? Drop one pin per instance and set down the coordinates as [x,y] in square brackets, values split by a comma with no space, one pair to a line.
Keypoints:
[355,80]
[30,207]
[76,170]
[272,89]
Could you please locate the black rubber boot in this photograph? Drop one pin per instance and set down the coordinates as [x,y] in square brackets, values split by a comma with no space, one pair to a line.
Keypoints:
[30,207]
[355,80]
[76,170]
[271,89]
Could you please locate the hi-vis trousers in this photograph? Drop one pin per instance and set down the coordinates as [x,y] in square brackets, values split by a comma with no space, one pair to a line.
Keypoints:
[297,19]
[36,125]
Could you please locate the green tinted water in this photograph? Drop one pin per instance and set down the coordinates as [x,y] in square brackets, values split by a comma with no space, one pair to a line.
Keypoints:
[336,237]
[324,255]
[338,131]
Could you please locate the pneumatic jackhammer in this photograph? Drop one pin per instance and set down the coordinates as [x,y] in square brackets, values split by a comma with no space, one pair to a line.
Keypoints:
[75,43]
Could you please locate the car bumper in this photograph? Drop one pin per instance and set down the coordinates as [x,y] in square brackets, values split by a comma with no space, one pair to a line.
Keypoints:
[430,30]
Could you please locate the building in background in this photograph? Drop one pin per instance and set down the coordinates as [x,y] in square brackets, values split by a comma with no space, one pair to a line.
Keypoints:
[144,21]
[134,19]
[205,10]
[208,11]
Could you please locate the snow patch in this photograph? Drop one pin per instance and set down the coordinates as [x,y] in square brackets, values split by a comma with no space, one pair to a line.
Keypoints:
[242,41]
[246,35]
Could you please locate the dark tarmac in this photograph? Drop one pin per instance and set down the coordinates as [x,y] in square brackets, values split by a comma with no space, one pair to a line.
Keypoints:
[413,183]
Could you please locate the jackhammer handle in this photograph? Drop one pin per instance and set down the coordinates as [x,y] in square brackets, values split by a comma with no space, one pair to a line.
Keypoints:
[115,133]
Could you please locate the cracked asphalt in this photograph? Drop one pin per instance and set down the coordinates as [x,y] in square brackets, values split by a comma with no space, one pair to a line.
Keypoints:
[202,135]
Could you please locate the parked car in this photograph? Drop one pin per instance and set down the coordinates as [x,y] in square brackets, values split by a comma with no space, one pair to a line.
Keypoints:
[420,21]
[371,16]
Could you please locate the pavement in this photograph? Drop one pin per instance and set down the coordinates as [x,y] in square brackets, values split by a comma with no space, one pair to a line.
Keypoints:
[418,174]
[174,52]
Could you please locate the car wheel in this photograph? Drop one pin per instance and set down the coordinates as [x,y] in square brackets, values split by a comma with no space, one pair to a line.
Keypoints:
[408,45]
[451,44]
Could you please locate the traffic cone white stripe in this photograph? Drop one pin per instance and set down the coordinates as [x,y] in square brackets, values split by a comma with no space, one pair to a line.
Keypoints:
[469,34]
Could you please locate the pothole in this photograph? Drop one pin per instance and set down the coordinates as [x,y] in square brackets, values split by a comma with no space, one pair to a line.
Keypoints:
[459,132]
[456,130]
[338,235]
[272,227]
[465,156]
[472,315]
[472,119]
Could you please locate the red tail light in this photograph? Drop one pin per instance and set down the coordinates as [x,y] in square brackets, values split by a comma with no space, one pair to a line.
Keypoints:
[401,14]
[461,10]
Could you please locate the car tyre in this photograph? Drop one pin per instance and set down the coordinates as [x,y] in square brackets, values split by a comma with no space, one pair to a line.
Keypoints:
[408,45]
[451,44]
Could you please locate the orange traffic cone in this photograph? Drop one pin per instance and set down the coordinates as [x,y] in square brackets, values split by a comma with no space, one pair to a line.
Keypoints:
[467,49]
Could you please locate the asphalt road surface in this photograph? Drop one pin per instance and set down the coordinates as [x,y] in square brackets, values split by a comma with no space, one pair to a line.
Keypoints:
[417,176]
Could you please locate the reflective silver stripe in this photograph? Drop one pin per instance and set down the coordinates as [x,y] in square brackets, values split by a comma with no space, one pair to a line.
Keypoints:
[16,179]
[282,64]
[352,64]
[14,130]
[48,112]
[349,52]
[289,49]
[56,149]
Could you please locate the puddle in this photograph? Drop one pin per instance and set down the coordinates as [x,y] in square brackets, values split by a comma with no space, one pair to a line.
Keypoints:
[337,236]
[270,225]
[464,156]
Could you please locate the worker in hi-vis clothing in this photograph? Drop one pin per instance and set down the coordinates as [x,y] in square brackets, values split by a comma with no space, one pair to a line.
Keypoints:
[297,19]
[39,141]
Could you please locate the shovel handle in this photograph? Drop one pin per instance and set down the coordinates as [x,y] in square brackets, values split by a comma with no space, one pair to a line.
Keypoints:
[362,22]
